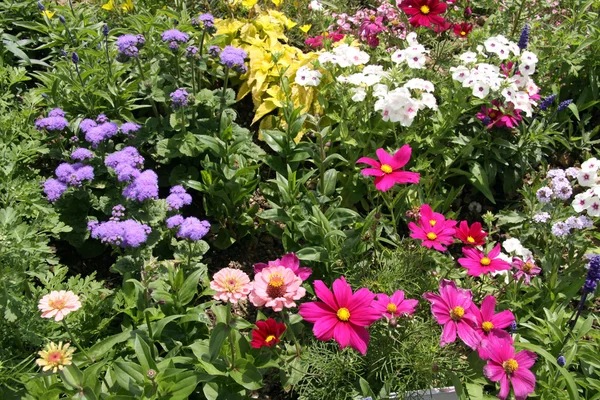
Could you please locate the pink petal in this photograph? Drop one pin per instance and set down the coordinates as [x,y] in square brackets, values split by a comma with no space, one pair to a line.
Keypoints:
[468,334]
[290,261]
[495,251]
[386,158]
[504,388]
[342,292]
[502,319]
[323,328]
[341,334]
[359,339]
[402,156]
[303,273]
[493,371]
[407,306]
[362,298]
[372,172]
[525,358]
[487,308]
[324,294]
[523,383]
[366,160]
[405,177]
[259,267]
[384,183]
[449,334]
[398,297]
[314,311]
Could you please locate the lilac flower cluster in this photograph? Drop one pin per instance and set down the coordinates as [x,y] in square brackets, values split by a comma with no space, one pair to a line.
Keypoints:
[81,154]
[129,128]
[174,37]
[563,228]
[74,174]
[189,228]
[593,275]
[178,198]
[129,45]
[117,212]
[99,130]
[128,233]
[53,188]
[144,186]
[541,217]
[204,21]
[55,121]
[179,98]
[214,51]
[560,186]
[233,58]
[191,52]
[126,163]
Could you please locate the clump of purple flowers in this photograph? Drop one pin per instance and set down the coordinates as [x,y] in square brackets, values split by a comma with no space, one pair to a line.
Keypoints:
[560,187]
[174,37]
[178,198]
[99,130]
[128,233]
[179,98]
[117,212]
[55,121]
[174,221]
[547,102]
[144,186]
[524,38]
[129,45]
[593,275]
[74,174]
[234,58]
[205,21]
[126,163]
[129,128]
[541,217]
[544,194]
[53,188]
[214,51]
[563,228]
[191,52]
[193,229]
[81,154]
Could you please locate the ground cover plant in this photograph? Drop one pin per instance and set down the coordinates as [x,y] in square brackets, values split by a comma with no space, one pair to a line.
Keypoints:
[299,199]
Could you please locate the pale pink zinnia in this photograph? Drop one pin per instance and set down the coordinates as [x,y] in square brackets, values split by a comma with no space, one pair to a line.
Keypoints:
[290,261]
[387,170]
[57,304]
[231,285]
[276,287]
[394,306]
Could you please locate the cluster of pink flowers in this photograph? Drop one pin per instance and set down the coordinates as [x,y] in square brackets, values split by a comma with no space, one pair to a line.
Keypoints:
[482,329]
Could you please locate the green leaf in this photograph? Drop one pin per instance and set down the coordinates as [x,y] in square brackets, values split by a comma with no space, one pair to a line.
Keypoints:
[129,376]
[190,286]
[161,324]
[330,179]
[246,374]
[479,179]
[143,353]
[72,376]
[312,254]
[91,374]
[99,350]
[217,339]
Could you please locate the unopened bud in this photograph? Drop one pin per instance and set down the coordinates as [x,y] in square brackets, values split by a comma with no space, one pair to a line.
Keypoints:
[151,374]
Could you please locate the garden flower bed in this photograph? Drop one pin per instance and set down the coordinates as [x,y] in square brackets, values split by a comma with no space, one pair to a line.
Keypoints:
[293,199]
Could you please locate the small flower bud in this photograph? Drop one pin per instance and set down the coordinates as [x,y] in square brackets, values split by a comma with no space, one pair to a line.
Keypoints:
[562,361]
[151,374]
[62,19]
[41,6]
[105,30]
[468,12]
[75,58]
[393,322]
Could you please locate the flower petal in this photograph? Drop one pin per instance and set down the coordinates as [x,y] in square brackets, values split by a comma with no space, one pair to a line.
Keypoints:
[402,156]
[315,310]
[366,160]
[342,292]
[324,294]
[324,327]
[372,172]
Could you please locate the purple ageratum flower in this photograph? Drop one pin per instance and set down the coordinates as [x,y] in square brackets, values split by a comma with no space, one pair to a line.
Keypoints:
[178,198]
[144,186]
[52,124]
[56,112]
[560,229]
[174,37]
[191,51]
[541,217]
[207,19]
[174,221]
[128,233]
[74,139]
[129,128]
[117,212]
[81,154]
[232,57]
[129,45]
[544,194]
[87,124]
[571,172]
[214,51]
[101,132]
[179,98]
[125,173]
[74,174]
[128,156]
[193,229]
[101,118]
[53,189]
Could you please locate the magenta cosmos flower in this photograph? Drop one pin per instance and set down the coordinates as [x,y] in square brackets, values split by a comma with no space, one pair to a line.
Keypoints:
[433,229]
[424,12]
[290,261]
[394,306]
[387,170]
[452,308]
[478,263]
[488,323]
[341,315]
[276,287]
[508,367]
[526,270]
[231,285]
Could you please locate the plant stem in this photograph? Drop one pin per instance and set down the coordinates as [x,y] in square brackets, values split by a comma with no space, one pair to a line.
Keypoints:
[231,345]
[200,49]
[71,7]
[139,64]
[150,332]
[517,18]
[222,106]
[182,115]
[291,331]
[75,342]
[108,58]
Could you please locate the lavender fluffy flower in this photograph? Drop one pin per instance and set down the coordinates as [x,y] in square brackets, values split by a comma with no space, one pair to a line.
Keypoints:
[524,39]
[74,174]
[125,172]
[52,123]
[144,186]
[174,221]
[179,98]
[207,19]
[101,132]
[547,102]
[129,128]
[193,229]
[593,275]
[562,190]
[560,229]
[117,212]
[174,37]
[81,154]
[571,172]
[128,233]
[56,112]
[233,57]
[178,198]
[129,45]
[101,119]
[53,189]
[562,106]
[128,156]
[544,194]
[191,51]
[214,51]
[541,217]
[87,124]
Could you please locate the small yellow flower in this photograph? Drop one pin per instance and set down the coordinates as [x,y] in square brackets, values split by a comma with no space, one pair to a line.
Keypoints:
[55,357]
[305,28]
[249,3]
[48,14]
[277,2]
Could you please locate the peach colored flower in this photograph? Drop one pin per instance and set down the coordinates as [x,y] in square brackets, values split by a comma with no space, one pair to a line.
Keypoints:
[231,285]
[276,287]
[58,304]
[55,357]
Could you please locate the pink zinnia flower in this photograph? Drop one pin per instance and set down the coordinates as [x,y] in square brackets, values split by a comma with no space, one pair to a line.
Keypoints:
[58,304]
[472,235]
[276,287]
[526,270]
[452,308]
[478,263]
[231,285]
[341,315]
[290,261]
[394,306]
[488,323]
[433,229]
[508,367]
[386,170]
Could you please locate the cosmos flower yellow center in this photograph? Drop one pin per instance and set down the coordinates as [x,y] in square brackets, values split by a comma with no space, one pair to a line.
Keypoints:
[485,261]
[276,287]
[487,326]
[386,169]
[457,313]
[425,10]
[432,222]
[343,314]
[270,338]
[391,308]
[372,18]
[431,236]
[527,267]
[463,33]
[470,239]
[510,366]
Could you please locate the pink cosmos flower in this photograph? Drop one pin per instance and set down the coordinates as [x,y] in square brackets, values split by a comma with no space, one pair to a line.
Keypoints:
[341,315]
[394,306]
[386,170]
[471,235]
[478,263]
[490,324]
[526,270]
[290,261]
[276,287]
[500,118]
[231,285]
[423,12]
[433,229]
[508,367]
[452,308]
[58,304]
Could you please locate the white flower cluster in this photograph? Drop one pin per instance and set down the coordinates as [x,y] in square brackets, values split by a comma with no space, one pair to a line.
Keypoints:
[514,247]
[399,105]
[315,6]
[483,77]
[308,77]
[589,200]
[370,76]
[413,55]
[344,56]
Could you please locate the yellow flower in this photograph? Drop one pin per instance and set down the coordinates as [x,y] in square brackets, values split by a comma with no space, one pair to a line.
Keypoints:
[55,357]
[127,6]
[249,3]
[305,28]
[48,14]
[277,2]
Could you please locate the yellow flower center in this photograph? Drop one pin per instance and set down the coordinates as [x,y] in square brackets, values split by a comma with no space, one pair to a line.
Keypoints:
[510,366]
[527,267]
[386,169]
[343,314]
[57,304]
[391,308]
[487,326]
[431,236]
[470,239]
[276,287]
[425,10]
[457,313]
[270,338]
[485,261]
[463,33]
[372,18]
[326,34]
[432,222]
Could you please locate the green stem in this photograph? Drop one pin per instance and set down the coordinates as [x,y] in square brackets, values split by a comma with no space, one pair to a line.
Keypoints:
[178,69]
[222,106]
[517,18]
[289,329]
[182,115]
[150,332]
[139,64]
[231,344]
[201,50]
[75,342]
[71,7]
[389,202]
[108,59]
[189,254]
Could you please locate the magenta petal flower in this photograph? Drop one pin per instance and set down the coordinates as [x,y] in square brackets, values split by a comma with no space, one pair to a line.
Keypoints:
[452,308]
[508,368]
[341,315]
[477,263]
[387,170]
[290,261]
[488,323]
[394,306]
[526,270]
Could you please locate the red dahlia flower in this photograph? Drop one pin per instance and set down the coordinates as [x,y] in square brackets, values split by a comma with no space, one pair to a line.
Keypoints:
[424,12]
[471,235]
[267,334]
[463,29]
